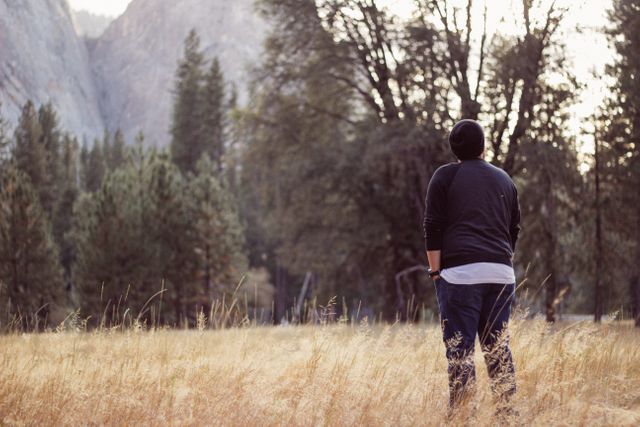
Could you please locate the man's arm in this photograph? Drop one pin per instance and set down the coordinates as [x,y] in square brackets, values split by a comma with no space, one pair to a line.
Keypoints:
[435,219]
[434,261]
[514,228]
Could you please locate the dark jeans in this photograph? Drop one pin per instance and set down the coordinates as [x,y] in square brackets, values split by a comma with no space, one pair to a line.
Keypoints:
[467,311]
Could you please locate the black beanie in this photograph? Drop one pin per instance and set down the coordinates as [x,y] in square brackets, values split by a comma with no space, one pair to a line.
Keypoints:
[467,139]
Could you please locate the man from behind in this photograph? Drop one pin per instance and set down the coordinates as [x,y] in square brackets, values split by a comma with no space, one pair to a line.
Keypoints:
[471,226]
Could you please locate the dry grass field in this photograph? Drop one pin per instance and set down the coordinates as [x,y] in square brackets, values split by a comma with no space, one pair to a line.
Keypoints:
[395,375]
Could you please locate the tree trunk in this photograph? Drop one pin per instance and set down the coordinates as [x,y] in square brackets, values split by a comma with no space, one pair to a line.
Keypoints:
[206,304]
[177,304]
[550,301]
[635,281]
[598,303]
[399,292]
[552,241]
[281,293]
[634,291]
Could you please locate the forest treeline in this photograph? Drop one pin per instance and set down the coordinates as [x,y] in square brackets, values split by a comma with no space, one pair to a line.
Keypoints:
[103,228]
[321,177]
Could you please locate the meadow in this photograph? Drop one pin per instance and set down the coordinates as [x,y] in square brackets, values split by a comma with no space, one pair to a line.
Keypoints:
[339,374]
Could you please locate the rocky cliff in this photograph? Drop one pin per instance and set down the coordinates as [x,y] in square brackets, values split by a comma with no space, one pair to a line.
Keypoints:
[135,59]
[42,59]
[124,78]
[88,24]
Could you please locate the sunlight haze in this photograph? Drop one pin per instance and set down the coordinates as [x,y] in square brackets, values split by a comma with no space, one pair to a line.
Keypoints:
[101,7]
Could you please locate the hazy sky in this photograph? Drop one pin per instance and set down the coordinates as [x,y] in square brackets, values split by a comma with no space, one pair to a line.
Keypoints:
[101,7]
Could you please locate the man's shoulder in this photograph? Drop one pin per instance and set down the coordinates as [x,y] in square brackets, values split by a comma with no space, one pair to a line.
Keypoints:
[498,171]
[446,171]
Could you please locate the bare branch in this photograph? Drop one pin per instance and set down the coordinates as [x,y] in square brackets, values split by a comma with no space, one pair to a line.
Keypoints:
[526,4]
[467,41]
[365,95]
[482,52]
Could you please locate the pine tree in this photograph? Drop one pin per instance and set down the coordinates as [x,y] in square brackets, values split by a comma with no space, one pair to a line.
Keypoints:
[113,247]
[4,140]
[618,131]
[107,147]
[51,142]
[218,236]
[214,114]
[170,230]
[117,155]
[186,130]
[29,153]
[96,168]
[312,163]
[37,152]
[147,226]
[553,243]
[63,212]
[28,257]
[84,165]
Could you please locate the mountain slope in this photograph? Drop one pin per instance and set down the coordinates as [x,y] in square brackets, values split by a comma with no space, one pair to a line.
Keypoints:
[90,25]
[42,59]
[134,61]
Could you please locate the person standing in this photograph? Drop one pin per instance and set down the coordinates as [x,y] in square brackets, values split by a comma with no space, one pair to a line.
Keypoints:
[471,225]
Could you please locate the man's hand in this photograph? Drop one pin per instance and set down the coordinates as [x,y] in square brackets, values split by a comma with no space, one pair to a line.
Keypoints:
[434,259]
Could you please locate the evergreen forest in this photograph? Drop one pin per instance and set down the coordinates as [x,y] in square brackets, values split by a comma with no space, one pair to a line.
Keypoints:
[313,191]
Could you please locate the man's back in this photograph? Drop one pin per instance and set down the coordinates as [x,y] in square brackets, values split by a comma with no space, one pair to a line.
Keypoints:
[473,207]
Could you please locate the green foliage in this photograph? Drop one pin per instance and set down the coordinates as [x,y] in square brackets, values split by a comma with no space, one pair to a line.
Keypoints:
[5,141]
[121,223]
[29,153]
[147,229]
[186,143]
[217,235]
[95,168]
[30,276]
[50,140]
[200,109]
[350,115]
[47,157]
[118,151]
[617,133]
[63,211]
[294,190]
[556,224]
[113,244]
[84,164]
[169,229]
[214,110]
[326,169]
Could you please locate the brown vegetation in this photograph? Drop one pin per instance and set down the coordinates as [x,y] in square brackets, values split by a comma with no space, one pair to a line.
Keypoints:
[578,374]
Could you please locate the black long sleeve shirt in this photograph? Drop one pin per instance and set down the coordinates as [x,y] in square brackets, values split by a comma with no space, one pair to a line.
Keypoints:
[472,214]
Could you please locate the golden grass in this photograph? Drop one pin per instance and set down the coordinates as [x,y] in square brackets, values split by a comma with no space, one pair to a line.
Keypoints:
[309,375]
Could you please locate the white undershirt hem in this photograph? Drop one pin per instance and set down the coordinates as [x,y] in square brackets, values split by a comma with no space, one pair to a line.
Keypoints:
[479,272]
